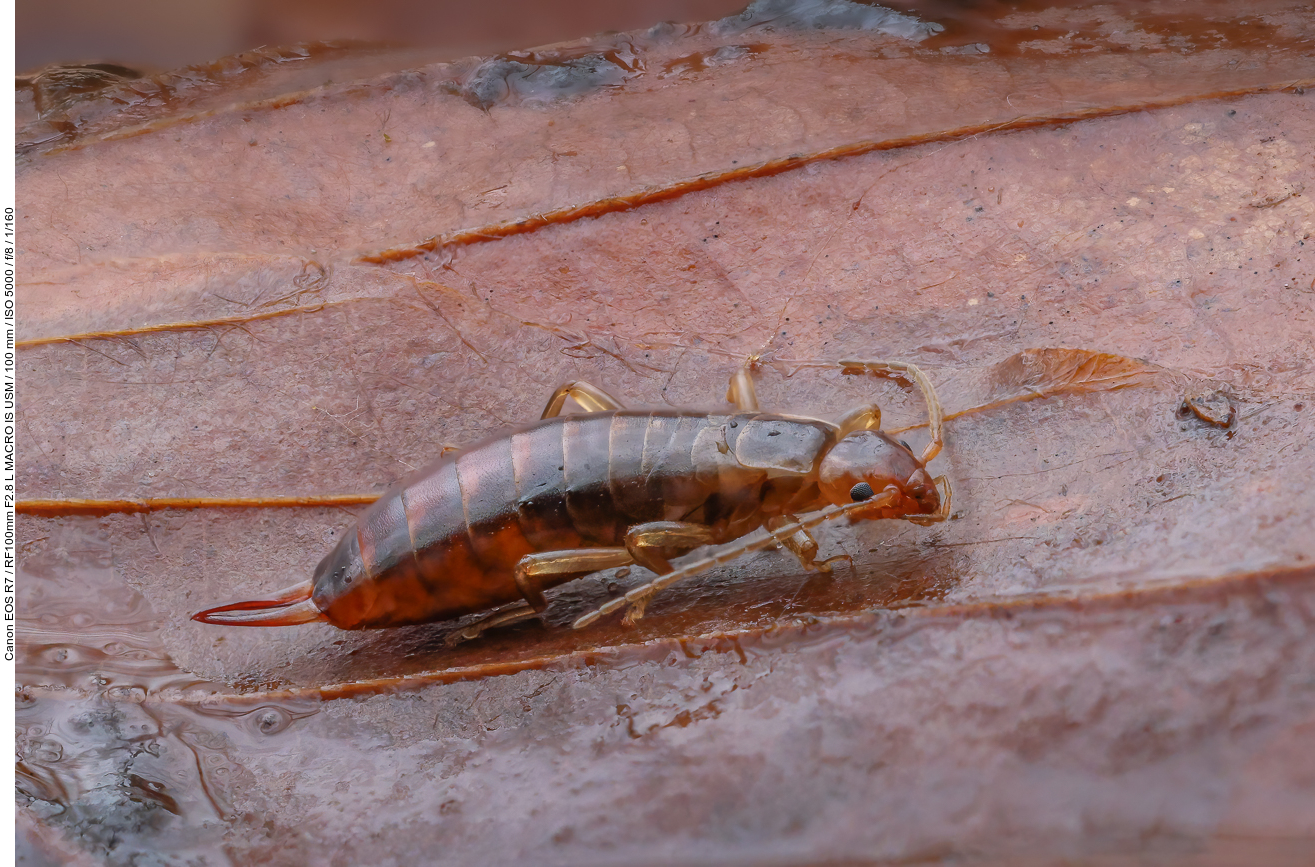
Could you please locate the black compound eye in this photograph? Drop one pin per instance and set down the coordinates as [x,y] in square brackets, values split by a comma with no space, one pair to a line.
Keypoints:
[906,445]
[860,492]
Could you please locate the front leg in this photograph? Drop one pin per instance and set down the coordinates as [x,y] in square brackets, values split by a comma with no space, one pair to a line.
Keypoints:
[802,544]
[935,415]
[863,418]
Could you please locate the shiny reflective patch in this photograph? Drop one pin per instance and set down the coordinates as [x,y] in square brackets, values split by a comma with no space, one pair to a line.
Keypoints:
[780,444]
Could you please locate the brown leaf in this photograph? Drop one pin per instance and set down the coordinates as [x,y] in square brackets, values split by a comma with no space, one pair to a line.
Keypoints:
[1045,372]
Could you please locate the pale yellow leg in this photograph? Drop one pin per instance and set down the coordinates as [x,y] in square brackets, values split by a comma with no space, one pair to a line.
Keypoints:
[591,397]
[863,418]
[802,544]
[651,545]
[536,573]
[741,392]
[935,415]
[637,598]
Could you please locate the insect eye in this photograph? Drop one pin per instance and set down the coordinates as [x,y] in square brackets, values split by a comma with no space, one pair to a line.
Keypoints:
[906,445]
[860,492]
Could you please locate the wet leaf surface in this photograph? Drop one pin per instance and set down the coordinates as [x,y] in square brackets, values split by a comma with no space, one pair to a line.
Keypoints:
[263,285]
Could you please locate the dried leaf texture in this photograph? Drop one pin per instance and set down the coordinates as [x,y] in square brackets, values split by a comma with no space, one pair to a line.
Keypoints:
[250,286]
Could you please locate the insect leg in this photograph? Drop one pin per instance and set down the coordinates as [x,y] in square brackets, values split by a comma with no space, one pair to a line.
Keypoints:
[651,544]
[741,392]
[934,412]
[638,598]
[513,613]
[536,573]
[591,397]
[802,544]
[863,418]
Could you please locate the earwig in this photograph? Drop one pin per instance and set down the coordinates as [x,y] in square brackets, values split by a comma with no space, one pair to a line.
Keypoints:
[492,527]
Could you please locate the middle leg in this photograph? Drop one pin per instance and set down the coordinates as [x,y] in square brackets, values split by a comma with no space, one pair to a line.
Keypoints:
[653,544]
[536,573]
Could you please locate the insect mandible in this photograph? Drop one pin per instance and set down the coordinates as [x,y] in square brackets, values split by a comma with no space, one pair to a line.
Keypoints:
[491,527]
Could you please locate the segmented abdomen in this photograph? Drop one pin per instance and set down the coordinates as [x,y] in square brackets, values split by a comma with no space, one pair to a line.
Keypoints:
[446,542]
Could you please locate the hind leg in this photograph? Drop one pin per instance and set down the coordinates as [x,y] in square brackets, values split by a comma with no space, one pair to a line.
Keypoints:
[536,573]
[516,612]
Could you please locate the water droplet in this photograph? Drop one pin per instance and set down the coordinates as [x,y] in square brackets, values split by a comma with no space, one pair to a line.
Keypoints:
[272,720]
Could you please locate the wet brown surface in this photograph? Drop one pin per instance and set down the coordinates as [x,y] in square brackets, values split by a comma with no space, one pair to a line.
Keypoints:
[1105,652]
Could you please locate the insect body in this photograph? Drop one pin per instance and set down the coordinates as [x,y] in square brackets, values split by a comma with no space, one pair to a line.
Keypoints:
[503,521]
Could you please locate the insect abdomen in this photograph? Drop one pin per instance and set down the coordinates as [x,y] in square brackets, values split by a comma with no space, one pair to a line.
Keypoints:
[448,541]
